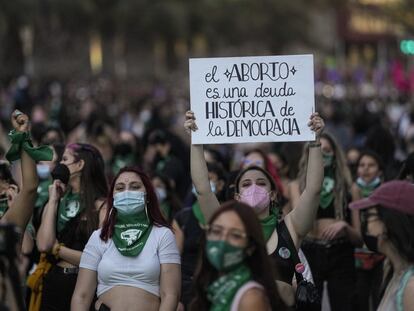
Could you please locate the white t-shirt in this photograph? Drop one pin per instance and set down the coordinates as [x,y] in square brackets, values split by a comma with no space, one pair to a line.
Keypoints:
[142,271]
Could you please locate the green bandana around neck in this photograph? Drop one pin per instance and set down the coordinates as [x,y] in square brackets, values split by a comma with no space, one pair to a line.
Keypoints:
[269,223]
[69,208]
[22,140]
[222,291]
[131,232]
[367,189]
[42,193]
[328,186]
[198,214]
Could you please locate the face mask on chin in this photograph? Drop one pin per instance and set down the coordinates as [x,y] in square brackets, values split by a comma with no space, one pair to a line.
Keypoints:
[257,197]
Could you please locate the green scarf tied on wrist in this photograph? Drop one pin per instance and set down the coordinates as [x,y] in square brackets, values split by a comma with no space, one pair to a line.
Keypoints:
[69,207]
[131,232]
[269,223]
[22,140]
[222,291]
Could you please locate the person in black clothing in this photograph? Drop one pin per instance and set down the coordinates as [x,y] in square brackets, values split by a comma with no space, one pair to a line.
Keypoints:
[72,213]
[189,224]
[167,163]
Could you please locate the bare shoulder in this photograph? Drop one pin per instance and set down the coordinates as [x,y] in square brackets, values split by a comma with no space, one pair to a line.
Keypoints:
[408,296]
[254,299]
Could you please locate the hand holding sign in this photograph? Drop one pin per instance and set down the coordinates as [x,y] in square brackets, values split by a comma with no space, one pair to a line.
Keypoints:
[316,124]
[252,99]
[189,123]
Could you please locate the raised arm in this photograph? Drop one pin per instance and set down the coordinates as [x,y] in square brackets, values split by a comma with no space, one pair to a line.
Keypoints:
[21,208]
[199,173]
[300,220]
[46,235]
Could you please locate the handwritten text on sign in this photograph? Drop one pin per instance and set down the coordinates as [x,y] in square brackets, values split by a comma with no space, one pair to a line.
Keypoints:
[252,99]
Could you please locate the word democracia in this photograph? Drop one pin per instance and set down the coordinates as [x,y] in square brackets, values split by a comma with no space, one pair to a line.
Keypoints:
[249,118]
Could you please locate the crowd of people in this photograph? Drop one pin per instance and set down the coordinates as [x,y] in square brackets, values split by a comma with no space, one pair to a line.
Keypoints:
[124,213]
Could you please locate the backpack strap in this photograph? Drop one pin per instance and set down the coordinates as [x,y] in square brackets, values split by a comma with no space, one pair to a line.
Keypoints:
[285,235]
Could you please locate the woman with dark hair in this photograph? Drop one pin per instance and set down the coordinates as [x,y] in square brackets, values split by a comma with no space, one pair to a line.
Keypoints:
[329,246]
[387,222]
[133,261]
[257,157]
[70,216]
[235,272]
[256,187]
[368,264]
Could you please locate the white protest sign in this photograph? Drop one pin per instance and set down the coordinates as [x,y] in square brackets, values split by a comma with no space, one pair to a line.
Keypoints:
[252,99]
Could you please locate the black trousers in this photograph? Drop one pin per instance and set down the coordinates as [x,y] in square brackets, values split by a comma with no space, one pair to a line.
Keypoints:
[368,288]
[334,264]
[57,290]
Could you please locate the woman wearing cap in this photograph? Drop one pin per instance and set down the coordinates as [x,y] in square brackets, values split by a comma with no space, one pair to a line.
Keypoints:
[387,222]
[70,216]
[133,262]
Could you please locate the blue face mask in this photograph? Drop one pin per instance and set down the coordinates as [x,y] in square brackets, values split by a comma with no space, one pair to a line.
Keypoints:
[129,202]
[43,171]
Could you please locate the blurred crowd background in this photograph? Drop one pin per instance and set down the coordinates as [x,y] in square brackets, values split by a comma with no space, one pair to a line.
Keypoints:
[112,72]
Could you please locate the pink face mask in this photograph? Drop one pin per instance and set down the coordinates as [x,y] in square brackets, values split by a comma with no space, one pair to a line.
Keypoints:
[257,197]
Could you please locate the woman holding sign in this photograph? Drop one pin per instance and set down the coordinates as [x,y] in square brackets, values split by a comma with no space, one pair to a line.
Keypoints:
[256,187]
[133,262]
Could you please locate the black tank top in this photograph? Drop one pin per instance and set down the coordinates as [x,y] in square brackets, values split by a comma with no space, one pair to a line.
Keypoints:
[192,235]
[328,212]
[282,256]
[74,234]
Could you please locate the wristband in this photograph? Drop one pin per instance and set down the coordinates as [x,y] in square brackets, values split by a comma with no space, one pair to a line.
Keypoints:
[314,145]
[56,250]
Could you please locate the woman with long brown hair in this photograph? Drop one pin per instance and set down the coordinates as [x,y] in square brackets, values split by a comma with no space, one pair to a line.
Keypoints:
[235,272]
[329,246]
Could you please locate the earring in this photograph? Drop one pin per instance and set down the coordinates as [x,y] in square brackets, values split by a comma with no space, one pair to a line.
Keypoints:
[146,211]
